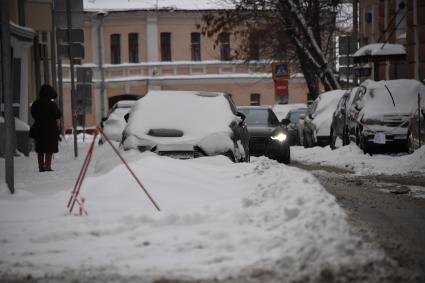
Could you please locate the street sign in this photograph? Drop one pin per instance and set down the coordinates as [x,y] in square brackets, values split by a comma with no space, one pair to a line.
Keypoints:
[281,71]
[84,75]
[75,36]
[84,97]
[61,21]
[281,87]
[76,51]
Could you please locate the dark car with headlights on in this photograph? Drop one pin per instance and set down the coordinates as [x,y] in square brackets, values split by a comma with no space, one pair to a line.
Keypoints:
[267,136]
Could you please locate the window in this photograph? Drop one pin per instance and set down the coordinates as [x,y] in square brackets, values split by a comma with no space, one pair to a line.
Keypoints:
[133,48]
[255,99]
[224,40]
[115,49]
[165,46]
[195,40]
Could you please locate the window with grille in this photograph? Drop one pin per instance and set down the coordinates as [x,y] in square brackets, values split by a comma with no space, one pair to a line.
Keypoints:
[133,48]
[165,46]
[224,40]
[115,49]
[255,99]
[195,40]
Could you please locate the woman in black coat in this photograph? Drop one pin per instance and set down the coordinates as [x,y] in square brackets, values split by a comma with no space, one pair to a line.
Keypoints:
[45,131]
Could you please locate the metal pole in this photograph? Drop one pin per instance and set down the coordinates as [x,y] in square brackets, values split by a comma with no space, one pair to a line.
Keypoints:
[416,36]
[419,119]
[101,70]
[53,51]
[355,34]
[7,95]
[73,96]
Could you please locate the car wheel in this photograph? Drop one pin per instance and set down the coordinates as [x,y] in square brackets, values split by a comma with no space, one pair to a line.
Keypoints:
[307,140]
[410,143]
[286,157]
[345,137]
[333,139]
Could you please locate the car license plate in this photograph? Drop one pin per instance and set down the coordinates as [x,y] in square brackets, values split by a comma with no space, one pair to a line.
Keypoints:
[379,138]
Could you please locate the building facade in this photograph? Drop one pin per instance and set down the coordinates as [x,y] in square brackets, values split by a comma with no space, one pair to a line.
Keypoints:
[396,22]
[134,49]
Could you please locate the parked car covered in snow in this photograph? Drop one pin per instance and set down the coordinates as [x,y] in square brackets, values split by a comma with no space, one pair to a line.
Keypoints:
[416,130]
[295,116]
[380,114]
[339,125]
[114,124]
[267,136]
[187,124]
[317,123]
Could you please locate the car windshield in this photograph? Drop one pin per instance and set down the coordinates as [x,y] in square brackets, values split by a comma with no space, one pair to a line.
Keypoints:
[259,116]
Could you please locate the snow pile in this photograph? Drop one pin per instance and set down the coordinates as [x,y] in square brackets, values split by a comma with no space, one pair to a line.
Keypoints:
[352,157]
[19,124]
[218,219]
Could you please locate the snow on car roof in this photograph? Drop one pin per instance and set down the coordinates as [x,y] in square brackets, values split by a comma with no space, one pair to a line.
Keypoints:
[125,103]
[282,109]
[379,101]
[379,49]
[192,112]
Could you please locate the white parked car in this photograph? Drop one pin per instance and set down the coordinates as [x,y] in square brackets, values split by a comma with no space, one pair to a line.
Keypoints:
[317,123]
[115,123]
[187,124]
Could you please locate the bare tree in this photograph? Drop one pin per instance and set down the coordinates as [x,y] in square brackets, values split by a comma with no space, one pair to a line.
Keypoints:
[298,30]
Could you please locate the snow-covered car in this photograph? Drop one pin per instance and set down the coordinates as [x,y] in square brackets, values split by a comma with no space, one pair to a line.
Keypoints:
[380,114]
[339,126]
[267,136]
[294,116]
[114,124]
[187,124]
[317,123]
[416,133]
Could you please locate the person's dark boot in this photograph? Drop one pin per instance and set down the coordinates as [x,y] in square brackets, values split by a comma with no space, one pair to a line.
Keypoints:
[48,162]
[40,159]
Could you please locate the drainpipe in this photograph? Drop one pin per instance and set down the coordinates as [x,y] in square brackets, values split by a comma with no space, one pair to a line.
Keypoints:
[387,63]
[416,34]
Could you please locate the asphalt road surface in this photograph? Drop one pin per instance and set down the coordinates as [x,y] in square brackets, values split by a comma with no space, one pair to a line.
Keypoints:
[384,211]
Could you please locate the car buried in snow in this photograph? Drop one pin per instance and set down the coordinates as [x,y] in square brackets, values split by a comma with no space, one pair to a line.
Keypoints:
[267,136]
[187,124]
[380,114]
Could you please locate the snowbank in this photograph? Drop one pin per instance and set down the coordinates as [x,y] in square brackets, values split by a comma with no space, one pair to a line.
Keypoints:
[352,157]
[217,219]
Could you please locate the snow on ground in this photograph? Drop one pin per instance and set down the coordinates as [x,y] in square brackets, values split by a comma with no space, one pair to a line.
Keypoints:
[217,219]
[351,157]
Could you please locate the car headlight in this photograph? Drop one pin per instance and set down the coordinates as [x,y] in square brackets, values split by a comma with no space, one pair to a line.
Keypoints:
[281,137]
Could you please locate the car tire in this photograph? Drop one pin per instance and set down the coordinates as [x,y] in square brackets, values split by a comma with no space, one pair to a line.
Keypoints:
[286,157]
[410,143]
[345,137]
[332,139]
[307,140]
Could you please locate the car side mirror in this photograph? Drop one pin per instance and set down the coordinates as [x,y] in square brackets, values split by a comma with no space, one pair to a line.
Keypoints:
[102,121]
[310,116]
[357,106]
[241,115]
[285,122]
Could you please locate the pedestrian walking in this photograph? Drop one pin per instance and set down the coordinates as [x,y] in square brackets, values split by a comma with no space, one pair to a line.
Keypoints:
[45,130]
